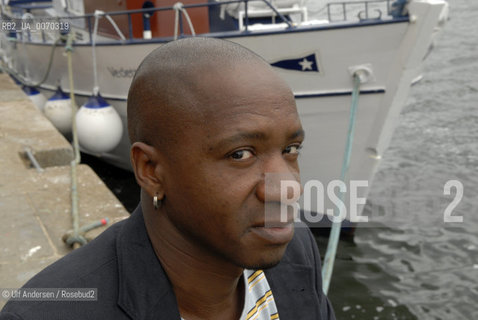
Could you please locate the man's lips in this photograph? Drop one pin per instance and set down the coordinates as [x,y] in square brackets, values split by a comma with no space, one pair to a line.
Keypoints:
[276,233]
[274,227]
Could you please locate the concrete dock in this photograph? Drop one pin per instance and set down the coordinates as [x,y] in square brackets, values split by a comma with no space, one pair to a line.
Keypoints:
[35,207]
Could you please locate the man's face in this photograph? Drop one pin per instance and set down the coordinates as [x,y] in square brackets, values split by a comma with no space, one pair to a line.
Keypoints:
[244,125]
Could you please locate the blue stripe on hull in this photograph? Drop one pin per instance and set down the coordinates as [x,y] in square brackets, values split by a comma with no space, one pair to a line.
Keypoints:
[297,96]
[336,94]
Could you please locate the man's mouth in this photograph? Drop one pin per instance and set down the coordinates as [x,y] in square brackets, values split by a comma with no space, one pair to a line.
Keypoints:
[279,233]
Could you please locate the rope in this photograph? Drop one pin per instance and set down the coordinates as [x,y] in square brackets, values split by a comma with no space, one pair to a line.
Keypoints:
[98,14]
[336,225]
[96,88]
[113,23]
[76,237]
[178,6]
[24,81]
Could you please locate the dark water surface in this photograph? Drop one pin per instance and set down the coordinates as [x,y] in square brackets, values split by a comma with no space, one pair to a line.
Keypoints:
[416,266]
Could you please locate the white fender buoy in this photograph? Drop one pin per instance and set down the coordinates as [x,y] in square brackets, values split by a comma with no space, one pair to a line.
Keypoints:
[58,110]
[35,96]
[98,125]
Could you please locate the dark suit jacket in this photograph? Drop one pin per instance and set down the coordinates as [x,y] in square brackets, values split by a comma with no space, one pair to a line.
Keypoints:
[132,284]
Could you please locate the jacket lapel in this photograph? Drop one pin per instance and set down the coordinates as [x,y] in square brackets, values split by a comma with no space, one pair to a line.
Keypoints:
[146,293]
[144,289]
[294,291]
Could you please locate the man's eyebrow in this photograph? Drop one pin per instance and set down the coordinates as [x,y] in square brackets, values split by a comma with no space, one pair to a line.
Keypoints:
[241,137]
[254,136]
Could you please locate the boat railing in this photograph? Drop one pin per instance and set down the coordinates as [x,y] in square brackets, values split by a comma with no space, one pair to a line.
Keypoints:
[364,10]
[89,18]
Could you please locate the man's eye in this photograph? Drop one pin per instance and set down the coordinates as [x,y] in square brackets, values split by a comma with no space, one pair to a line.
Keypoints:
[293,149]
[241,155]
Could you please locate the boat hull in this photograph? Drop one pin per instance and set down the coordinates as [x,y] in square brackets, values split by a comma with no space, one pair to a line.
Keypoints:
[392,50]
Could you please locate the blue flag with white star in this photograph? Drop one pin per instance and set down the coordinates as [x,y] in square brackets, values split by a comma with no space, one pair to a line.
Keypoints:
[308,63]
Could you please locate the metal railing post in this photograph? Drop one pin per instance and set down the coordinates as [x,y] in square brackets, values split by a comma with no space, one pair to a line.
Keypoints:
[246,2]
[130,26]
[181,28]
[89,29]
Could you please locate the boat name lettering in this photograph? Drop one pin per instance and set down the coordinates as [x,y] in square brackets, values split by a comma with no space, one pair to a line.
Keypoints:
[121,72]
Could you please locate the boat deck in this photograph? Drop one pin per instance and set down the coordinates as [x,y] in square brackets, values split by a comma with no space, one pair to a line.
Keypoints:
[35,206]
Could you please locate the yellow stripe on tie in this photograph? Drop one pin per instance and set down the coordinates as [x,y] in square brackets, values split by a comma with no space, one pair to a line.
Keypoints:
[253,276]
[256,282]
[258,304]
[274,316]
[263,307]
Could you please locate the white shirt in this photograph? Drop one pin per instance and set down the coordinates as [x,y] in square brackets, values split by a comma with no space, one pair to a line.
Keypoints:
[259,302]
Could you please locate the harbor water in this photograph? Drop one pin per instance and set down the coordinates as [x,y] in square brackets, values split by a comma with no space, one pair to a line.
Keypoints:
[419,267]
[416,266]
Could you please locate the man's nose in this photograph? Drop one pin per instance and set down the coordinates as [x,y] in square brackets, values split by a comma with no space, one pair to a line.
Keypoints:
[280,181]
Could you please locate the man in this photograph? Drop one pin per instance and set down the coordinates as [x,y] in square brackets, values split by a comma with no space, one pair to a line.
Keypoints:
[208,119]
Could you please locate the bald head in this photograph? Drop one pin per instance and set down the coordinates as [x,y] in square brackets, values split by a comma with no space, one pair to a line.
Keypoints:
[168,87]
[207,120]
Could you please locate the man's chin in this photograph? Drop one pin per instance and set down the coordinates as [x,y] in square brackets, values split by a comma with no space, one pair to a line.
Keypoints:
[265,261]
[261,266]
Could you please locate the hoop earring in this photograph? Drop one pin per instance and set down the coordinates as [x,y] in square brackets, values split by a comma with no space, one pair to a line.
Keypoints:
[156,202]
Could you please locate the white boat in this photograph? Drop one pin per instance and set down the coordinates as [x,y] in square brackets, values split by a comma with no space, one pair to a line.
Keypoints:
[316,53]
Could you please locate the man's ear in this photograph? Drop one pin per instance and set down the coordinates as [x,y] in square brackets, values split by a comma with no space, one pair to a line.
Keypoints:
[147,169]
